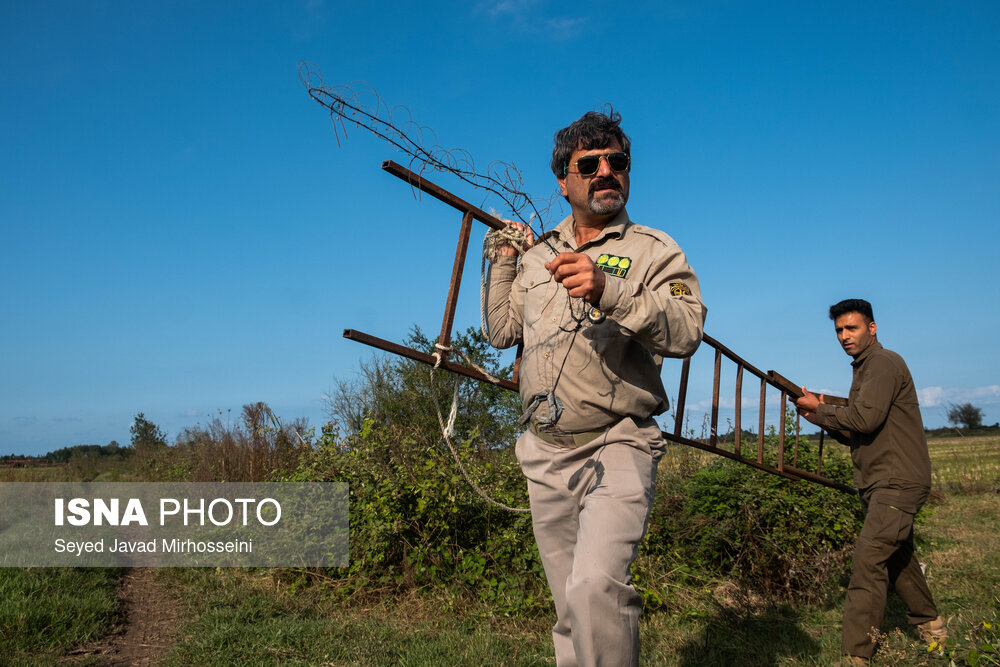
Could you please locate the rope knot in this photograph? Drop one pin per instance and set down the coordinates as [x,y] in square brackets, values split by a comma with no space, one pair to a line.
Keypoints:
[438,356]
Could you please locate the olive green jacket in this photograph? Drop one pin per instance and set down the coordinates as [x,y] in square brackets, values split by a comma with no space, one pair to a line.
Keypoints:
[881,423]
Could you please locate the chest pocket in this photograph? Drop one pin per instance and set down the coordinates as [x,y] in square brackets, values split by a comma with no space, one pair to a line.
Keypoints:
[540,288]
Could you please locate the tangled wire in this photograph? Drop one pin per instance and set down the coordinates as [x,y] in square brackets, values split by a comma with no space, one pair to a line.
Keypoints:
[358,104]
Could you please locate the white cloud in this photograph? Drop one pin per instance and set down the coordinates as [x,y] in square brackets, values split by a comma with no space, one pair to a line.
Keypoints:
[513,7]
[566,28]
[528,16]
[937,396]
[930,396]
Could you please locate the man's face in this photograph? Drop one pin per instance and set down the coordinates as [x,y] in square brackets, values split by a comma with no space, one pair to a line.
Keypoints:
[603,193]
[854,332]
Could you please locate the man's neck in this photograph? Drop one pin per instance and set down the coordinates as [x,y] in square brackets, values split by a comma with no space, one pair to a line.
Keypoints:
[587,225]
[869,346]
[586,233]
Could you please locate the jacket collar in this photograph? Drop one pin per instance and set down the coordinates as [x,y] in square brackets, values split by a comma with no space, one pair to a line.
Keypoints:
[867,353]
[616,227]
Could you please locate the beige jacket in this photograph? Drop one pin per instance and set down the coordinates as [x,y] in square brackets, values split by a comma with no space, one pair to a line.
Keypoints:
[601,372]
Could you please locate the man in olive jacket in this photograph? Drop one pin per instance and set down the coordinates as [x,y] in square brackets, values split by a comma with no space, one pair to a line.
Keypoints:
[882,425]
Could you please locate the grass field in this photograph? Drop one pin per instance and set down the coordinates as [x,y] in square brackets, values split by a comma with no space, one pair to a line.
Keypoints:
[965,464]
[252,617]
[47,612]
[245,618]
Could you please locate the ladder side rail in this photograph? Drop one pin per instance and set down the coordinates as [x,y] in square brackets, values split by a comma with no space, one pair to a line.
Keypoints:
[788,473]
[451,302]
[419,182]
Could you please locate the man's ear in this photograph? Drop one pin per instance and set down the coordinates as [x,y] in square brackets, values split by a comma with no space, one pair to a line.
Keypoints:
[872,328]
[562,186]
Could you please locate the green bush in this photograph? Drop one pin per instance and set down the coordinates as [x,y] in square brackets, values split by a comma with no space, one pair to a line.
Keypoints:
[415,522]
[791,538]
[257,447]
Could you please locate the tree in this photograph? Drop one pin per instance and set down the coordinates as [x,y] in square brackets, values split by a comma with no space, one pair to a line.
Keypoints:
[965,414]
[146,435]
[398,392]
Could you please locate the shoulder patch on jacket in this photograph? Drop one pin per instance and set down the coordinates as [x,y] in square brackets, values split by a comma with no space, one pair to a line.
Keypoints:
[679,288]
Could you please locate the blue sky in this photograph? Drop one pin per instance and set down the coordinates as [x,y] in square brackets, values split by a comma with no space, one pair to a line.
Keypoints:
[183,232]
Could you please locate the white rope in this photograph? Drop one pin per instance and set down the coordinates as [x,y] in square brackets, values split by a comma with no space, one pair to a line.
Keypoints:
[448,430]
[491,251]
[497,238]
[470,362]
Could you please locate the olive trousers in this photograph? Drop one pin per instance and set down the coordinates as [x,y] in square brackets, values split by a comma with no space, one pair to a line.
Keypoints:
[884,555]
[589,509]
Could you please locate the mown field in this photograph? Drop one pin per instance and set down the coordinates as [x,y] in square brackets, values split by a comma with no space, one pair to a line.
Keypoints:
[252,617]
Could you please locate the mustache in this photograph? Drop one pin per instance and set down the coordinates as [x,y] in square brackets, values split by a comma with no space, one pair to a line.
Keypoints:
[605,184]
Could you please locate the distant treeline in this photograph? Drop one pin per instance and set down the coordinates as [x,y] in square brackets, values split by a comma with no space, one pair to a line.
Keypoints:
[112,449]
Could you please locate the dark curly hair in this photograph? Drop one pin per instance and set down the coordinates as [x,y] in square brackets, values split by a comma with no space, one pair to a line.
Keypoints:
[852,306]
[593,130]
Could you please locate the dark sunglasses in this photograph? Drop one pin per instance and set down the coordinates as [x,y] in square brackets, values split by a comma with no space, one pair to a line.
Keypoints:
[589,164]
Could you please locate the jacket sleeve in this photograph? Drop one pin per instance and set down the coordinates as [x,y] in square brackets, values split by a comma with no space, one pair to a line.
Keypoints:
[668,324]
[867,411]
[841,436]
[504,304]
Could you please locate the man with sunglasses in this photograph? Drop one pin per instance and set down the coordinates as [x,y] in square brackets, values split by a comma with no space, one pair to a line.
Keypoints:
[597,302]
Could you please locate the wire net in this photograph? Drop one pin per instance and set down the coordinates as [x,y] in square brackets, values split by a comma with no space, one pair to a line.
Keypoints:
[359,105]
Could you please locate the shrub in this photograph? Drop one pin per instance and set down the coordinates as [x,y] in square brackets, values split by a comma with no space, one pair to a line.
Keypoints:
[258,447]
[415,522]
[398,391]
[775,535]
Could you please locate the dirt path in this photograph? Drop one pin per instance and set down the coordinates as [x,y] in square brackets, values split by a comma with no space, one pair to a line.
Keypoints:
[149,615]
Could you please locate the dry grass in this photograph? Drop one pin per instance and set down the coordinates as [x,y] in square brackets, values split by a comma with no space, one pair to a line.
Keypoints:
[965,464]
[39,473]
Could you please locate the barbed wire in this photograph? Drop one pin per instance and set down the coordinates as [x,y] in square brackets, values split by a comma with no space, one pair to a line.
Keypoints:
[360,105]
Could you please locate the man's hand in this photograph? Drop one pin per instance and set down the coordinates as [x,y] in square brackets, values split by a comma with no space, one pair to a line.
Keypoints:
[508,250]
[807,404]
[579,275]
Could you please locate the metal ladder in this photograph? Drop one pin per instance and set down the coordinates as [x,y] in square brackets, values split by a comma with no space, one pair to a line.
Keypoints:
[786,466]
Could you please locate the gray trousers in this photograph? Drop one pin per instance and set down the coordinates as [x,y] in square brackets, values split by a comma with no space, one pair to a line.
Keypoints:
[589,510]
[884,555]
